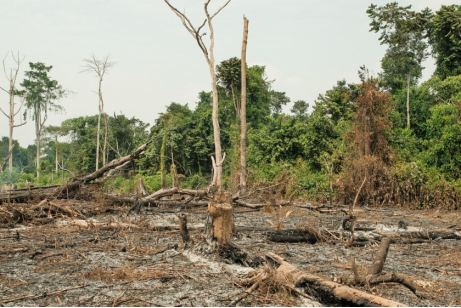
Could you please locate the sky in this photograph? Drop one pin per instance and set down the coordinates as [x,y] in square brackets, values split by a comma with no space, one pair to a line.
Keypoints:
[306,46]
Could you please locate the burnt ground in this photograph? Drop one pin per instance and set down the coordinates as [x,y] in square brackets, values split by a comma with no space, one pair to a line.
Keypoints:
[139,260]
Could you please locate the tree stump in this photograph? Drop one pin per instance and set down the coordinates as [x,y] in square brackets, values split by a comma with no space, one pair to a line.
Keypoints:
[222,213]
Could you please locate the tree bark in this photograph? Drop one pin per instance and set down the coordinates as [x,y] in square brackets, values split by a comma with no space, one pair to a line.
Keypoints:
[243,113]
[222,213]
[408,100]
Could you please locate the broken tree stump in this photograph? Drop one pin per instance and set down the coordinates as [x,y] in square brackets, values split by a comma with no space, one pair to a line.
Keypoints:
[330,292]
[222,212]
[375,273]
[141,188]
[183,229]
[378,263]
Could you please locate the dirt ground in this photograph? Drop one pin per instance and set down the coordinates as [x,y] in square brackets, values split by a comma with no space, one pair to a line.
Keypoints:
[139,260]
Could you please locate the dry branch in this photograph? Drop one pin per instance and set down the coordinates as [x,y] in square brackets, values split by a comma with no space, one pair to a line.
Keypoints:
[329,291]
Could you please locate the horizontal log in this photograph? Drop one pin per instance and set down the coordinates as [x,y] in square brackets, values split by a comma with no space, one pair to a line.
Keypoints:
[329,292]
[293,236]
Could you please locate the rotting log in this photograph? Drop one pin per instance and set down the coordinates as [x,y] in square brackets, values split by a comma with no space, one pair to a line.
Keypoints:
[294,236]
[330,292]
[222,213]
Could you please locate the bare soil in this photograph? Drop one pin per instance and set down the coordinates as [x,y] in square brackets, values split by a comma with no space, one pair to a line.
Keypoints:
[139,260]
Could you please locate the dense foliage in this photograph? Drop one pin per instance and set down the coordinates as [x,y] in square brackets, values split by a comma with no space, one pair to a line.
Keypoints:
[354,133]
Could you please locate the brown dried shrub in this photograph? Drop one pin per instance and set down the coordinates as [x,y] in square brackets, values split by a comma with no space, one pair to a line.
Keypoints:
[369,154]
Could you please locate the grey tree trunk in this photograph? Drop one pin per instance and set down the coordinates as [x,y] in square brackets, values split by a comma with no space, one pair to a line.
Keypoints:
[408,100]
[243,113]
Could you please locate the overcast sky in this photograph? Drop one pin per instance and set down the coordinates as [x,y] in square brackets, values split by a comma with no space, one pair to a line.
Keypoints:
[306,46]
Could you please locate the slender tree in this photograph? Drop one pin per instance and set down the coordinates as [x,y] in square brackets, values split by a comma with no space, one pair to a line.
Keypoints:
[100,67]
[42,95]
[12,92]
[243,112]
[404,31]
[209,57]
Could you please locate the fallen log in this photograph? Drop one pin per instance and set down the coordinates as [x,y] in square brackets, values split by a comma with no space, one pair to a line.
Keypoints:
[431,235]
[68,190]
[294,236]
[330,292]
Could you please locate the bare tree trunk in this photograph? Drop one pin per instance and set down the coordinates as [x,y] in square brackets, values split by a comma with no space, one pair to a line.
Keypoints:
[37,141]
[216,129]
[12,83]
[162,159]
[243,112]
[105,139]
[56,160]
[97,140]
[100,67]
[10,141]
[408,100]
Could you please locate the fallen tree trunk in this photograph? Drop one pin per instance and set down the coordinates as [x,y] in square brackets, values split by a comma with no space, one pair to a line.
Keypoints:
[330,292]
[68,190]
[294,236]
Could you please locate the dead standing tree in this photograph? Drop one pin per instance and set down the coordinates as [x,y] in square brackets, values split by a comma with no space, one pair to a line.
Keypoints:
[220,208]
[12,92]
[243,112]
[100,67]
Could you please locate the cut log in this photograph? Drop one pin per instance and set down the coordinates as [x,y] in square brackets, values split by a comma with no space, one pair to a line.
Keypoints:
[222,213]
[294,236]
[330,292]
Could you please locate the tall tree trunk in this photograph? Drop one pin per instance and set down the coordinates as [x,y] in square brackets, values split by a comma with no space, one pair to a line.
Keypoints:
[97,140]
[37,161]
[408,100]
[243,112]
[216,129]
[10,142]
[105,139]
[37,136]
[56,160]
[162,158]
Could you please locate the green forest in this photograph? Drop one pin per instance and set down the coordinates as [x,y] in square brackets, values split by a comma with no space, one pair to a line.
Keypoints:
[393,137]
